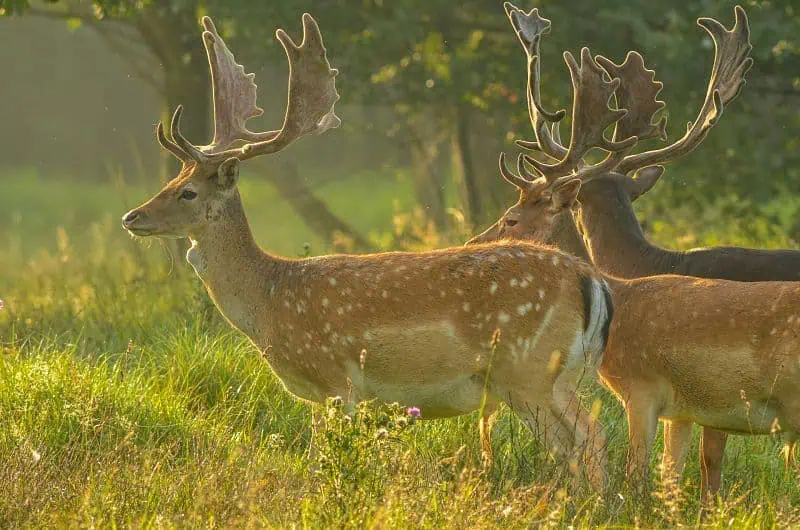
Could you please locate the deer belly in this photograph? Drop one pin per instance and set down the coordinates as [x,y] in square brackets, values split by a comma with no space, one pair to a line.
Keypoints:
[754,417]
[426,366]
[439,399]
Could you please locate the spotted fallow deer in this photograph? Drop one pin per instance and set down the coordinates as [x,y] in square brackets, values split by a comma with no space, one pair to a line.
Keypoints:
[687,350]
[416,328]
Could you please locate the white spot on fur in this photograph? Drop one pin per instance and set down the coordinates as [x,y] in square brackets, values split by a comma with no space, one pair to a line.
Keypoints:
[325,302]
[385,294]
[465,306]
[503,317]
[332,281]
[493,288]
[523,309]
[541,294]
[514,282]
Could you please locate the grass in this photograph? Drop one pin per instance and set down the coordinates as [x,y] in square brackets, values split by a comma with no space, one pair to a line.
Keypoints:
[126,401]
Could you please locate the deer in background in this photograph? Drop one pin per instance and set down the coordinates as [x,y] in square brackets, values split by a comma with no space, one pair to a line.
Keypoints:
[416,328]
[616,244]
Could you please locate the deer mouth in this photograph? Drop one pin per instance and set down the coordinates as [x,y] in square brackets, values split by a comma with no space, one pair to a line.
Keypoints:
[141,231]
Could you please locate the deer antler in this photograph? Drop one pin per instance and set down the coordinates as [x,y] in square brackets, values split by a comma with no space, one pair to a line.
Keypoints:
[310,107]
[731,63]
[591,115]
[637,92]
[530,28]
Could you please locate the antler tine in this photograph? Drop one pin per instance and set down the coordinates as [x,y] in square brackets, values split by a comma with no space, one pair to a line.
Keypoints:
[191,150]
[524,181]
[731,64]
[530,27]
[169,145]
[591,115]
[638,92]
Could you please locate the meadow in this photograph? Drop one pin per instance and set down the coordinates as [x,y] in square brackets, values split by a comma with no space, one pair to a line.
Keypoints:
[127,401]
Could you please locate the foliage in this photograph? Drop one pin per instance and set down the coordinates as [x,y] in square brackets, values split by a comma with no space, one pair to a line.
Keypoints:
[355,452]
[426,59]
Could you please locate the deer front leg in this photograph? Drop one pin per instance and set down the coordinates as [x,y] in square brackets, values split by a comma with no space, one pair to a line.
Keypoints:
[712,450]
[642,427]
[676,444]
[485,425]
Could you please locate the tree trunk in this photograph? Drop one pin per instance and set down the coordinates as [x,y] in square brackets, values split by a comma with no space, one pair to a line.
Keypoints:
[315,213]
[428,184]
[464,166]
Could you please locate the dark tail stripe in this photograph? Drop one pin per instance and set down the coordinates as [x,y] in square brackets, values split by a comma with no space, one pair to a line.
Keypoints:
[609,313]
[587,290]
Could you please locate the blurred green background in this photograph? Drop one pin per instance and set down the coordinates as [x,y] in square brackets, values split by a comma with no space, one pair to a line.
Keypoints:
[431,91]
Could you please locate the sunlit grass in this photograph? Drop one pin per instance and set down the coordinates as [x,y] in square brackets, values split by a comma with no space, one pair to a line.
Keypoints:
[125,399]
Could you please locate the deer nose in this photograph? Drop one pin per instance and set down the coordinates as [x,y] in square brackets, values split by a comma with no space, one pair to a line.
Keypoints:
[129,218]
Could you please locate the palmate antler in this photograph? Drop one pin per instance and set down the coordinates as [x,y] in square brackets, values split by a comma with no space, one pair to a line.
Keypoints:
[310,107]
[591,113]
[731,63]
[635,90]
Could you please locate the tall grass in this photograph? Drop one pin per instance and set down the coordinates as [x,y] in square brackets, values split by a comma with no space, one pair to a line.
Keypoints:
[125,400]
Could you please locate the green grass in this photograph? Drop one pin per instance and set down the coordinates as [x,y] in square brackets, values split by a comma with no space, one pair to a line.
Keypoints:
[126,401]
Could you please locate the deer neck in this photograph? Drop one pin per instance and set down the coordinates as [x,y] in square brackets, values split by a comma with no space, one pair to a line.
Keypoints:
[617,245]
[240,277]
[567,237]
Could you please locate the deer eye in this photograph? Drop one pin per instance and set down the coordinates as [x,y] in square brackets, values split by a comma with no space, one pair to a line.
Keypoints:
[511,222]
[188,195]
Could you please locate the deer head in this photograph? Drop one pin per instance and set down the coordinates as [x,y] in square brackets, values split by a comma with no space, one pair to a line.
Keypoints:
[549,189]
[537,214]
[635,91]
[206,183]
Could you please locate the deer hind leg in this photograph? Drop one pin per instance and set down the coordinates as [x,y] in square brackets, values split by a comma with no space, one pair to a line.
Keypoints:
[587,432]
[712,450]
[545,427]
[485,425]
[642,426]
[676,444]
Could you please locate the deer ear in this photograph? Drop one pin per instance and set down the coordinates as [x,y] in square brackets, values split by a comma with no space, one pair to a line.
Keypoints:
[565,195]
[644,179]
[227,173]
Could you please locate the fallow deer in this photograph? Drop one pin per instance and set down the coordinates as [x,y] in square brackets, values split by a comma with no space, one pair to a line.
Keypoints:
[416,328]
[618,247]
